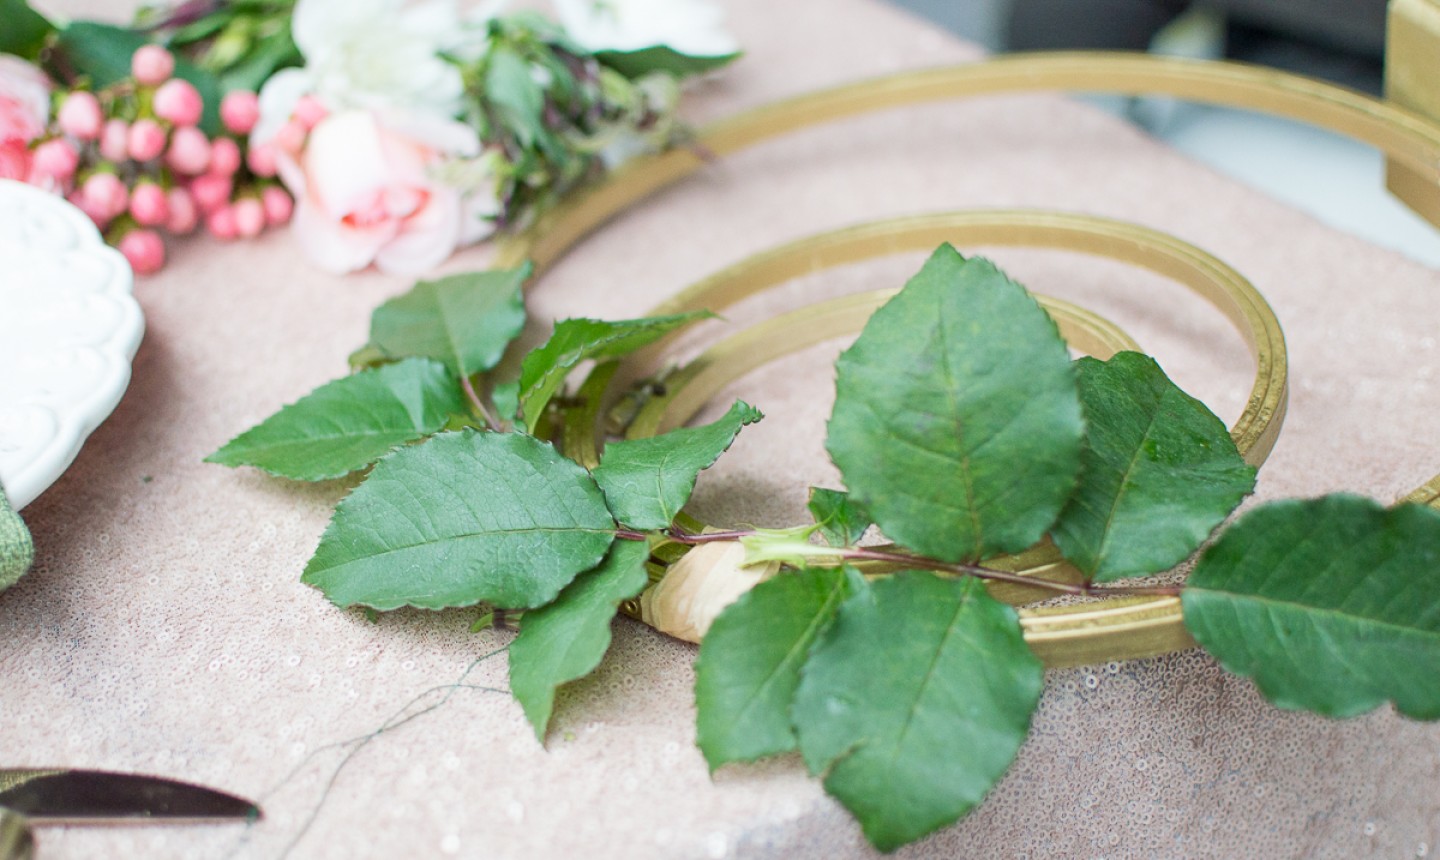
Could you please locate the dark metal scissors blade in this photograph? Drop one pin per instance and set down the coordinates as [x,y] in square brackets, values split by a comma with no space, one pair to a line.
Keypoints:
[82,796]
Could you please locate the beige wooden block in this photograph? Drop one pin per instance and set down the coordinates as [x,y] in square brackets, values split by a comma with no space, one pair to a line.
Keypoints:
[1412,80]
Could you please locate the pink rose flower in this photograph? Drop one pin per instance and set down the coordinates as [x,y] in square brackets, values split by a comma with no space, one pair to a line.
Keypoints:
[24,110]
[366,191]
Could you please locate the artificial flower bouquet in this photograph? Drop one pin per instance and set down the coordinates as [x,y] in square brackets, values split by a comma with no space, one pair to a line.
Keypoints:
[385,132]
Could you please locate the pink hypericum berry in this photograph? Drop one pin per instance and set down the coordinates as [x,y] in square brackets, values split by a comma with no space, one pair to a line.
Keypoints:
[80,116]
[115,140]
[57,159]
[278,205]
[261,160]
[146,140]
[152,65]
[145,250]
[105,194]
[82,202]
[190,151]
[148,205]
[240,110]
[221,223]
[249,217]
[211,191]
[178,101]
[309,111]
[224,156]
[183,217]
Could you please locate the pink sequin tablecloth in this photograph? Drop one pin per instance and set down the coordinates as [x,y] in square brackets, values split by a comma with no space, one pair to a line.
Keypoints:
[165,629]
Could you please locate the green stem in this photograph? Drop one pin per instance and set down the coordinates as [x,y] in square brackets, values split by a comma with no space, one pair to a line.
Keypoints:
[1084,589]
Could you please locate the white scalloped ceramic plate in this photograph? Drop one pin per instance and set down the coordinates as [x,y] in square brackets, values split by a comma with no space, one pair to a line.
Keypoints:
[68,330]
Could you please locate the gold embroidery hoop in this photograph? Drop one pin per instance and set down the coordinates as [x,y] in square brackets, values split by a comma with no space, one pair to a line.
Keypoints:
[1117,628]
[1132,627]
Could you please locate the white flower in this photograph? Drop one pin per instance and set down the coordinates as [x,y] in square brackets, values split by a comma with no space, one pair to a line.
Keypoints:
[373,55]
[695,28]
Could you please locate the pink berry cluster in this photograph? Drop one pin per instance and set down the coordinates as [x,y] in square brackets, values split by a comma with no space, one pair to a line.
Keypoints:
[133,158]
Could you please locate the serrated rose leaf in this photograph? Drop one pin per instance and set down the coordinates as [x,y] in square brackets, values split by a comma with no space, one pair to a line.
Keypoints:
[841,521]
[750,659]
[914,702]
[1331,605]
[647,481]
[465,517]
[349,423]
[566,639]
[1158,473]
[464,321]
[576,340]
[957,425]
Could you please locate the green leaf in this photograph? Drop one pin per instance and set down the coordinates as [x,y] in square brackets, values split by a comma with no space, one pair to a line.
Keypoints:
[368,356]
[514,95]
[1331,605]
[465,321]
[914,702]
[749,664]
[662,58]
[647,481]
[465,517]
[506,398]
[957,424]
[266,57]
[102,52]
[576,340]
[566,639]
[841,521]
[1158,473]
[349,423]
[198,30]
[24,31]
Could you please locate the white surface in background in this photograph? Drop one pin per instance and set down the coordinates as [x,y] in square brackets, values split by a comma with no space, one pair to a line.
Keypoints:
[1339,181]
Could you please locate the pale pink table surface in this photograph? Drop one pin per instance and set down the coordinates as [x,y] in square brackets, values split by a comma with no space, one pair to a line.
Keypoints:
[165,629]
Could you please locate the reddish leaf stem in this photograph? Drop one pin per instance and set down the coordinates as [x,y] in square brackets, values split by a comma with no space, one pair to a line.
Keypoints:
[1084,589]
[481,410]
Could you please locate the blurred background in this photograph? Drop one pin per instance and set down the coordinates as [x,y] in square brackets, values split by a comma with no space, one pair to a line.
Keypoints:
[1339,40]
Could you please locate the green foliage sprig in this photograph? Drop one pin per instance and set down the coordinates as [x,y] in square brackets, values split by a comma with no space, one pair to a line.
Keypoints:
[962,430]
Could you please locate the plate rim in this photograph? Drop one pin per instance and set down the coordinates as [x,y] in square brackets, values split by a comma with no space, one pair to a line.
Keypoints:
[75,423]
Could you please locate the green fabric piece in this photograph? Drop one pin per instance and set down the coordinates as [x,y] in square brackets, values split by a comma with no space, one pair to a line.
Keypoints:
[17,551]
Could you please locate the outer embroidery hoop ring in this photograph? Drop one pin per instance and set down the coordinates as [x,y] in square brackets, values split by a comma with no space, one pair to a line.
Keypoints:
[1121,628]
[1100,630]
